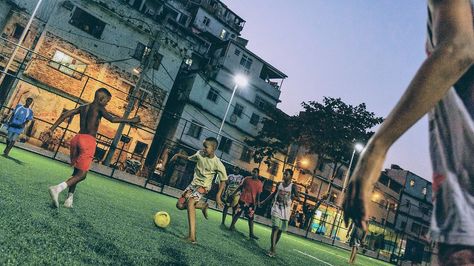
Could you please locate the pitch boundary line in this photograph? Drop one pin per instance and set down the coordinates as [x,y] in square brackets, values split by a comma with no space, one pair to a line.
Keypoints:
[313,257]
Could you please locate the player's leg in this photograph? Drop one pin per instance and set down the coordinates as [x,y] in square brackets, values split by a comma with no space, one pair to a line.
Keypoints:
[353,253]
[72,189]
[224,213]
[273,240]
[198,194]
[236,216]
[191,220]
[54,191]
[182,202]
[11,139]
[278,236]
[251,215]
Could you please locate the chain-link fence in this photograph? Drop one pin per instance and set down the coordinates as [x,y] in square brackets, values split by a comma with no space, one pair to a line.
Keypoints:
[53,97]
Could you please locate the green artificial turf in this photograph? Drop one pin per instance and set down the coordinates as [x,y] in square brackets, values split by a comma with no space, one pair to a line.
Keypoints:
[112,223]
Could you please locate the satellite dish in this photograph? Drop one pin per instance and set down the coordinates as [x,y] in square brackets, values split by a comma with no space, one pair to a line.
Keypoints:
[233,118]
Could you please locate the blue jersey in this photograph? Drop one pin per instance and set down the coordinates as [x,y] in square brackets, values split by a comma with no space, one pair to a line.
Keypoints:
[20,115]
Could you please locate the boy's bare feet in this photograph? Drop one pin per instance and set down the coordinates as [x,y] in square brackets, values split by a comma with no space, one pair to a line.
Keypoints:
[204,211]
[53,192]
[271,254]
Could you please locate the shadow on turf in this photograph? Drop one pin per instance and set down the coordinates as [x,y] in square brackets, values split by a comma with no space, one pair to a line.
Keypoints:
[13,159]
[253,247]
[100,245]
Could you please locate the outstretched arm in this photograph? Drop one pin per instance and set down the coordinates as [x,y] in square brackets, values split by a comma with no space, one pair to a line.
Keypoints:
[453,36]
[115,119]
[64,116]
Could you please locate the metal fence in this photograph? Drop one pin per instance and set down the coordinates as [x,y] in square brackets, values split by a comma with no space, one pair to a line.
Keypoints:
[326,222]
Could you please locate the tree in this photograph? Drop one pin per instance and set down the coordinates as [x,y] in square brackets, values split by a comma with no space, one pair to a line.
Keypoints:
[330,129]
[276,134]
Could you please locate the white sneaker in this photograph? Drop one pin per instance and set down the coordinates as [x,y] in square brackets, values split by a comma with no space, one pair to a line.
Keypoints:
[68,203]
[53,192]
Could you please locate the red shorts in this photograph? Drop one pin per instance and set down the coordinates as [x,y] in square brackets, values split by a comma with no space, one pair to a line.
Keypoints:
[82,151]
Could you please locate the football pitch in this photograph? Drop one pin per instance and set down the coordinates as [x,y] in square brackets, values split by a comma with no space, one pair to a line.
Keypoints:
[112,223]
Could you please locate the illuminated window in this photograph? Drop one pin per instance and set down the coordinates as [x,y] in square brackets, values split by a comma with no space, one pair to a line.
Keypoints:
[68,65]
[224,34]
[412,183]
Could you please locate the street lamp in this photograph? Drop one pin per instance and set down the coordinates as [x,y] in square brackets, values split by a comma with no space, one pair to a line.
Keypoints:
[357,147]
[240,81]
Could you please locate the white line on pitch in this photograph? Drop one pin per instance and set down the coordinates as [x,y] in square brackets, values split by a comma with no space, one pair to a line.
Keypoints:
[313,257]
[318,248]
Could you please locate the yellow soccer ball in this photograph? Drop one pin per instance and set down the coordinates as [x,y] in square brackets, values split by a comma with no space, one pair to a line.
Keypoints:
[162,219]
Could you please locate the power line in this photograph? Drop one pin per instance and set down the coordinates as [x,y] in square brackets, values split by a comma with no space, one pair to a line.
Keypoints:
[92,39]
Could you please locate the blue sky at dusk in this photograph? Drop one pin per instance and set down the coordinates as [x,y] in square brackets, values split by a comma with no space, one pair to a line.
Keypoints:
[360,51]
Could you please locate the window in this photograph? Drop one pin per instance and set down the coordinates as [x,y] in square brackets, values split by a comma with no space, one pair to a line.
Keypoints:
[383,221]
[223,34]
[407,203]
[272,167]
[412,183]
[225,145]
[68,65]
[183,19]
[403,225]
[424,230]
[194,130]
[333,197]
[237,52]
[206,21]
[140,51]
[321,166]
[261,103]
[140,148]
[212,95]
[86,22]
[415,228]
[18,31]
[392,206]
[339,173]
[384,179]
[246,62]
[246,155]
[254,119]
[238,110]
[425,210]
[395,186]
[157,61]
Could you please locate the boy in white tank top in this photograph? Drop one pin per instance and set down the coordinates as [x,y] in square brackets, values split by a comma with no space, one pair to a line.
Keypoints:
[283,195]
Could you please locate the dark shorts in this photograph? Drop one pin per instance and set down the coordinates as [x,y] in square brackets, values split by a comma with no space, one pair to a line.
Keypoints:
[247,208]
[455,255]
[354,241]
